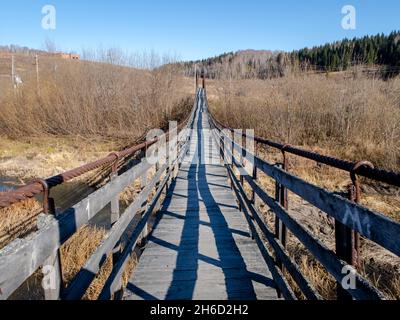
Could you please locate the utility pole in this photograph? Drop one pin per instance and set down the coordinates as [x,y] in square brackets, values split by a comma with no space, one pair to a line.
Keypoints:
[13,71]
[37,73]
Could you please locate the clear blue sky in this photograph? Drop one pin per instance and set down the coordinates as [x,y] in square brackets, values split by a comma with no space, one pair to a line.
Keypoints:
[192,29]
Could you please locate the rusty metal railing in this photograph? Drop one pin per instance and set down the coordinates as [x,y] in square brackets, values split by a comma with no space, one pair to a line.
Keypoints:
[362,168]
[39,186]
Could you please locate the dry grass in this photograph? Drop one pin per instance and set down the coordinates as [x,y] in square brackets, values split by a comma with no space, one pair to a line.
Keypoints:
[78,249]
[27,159]
[351,118]
[18,220]
[313,271]
[92,99]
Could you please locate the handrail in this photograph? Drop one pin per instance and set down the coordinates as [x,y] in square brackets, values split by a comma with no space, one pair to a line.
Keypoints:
[389,177]
[41,185]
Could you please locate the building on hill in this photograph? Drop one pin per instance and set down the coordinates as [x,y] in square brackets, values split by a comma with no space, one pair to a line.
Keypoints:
[67,56]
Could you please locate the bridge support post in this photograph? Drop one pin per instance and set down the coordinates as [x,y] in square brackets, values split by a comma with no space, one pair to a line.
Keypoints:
[115,211]
[344,241]
[255,200]
[239,141]
[222,149]
[348,240]
[143,183]
[284,199]
[280,228]
[281,198]
[232,159]
[169,169]
[52,282]
[157,168]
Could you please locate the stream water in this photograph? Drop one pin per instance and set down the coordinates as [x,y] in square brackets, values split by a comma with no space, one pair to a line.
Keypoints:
[7,184]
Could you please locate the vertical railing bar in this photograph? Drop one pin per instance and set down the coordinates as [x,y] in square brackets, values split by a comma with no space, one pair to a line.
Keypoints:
[52,267]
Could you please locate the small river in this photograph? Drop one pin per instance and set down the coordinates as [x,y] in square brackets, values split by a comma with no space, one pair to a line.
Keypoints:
[7,184]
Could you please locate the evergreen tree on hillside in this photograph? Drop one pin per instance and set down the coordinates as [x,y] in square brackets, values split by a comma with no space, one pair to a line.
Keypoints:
[370,50]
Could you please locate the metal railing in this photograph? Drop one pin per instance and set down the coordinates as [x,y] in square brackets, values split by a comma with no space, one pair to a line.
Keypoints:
[39,186]
[351,219]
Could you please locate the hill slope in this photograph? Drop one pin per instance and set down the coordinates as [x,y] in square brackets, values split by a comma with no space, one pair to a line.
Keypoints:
[380,50]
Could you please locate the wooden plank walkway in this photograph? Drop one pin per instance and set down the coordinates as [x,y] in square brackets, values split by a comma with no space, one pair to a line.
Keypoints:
[201,248]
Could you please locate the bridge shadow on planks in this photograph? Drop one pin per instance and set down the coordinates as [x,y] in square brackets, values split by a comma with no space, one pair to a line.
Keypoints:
[227,258]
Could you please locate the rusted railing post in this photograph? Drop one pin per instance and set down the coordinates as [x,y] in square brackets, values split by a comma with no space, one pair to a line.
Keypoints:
[279,234]
[52,268]
[282,198]
[255,200]
[356,197]
[347,240]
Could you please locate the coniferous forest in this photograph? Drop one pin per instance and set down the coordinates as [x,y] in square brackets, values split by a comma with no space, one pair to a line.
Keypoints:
[381,51]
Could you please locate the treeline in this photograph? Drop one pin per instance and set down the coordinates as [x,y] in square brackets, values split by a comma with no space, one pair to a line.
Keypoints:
[11,49]
[381,51]
[369,50]
[246,64]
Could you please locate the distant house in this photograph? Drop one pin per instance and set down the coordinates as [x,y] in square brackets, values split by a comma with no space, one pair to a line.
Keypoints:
[68,56]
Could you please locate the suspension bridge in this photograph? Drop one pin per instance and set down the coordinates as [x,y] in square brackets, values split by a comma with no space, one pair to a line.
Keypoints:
[196,222]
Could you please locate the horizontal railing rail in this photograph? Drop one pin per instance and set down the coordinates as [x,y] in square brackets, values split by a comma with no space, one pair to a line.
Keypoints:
[39,186]
[359,168]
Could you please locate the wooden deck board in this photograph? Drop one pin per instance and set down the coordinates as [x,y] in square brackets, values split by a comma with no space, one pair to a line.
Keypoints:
[201,247]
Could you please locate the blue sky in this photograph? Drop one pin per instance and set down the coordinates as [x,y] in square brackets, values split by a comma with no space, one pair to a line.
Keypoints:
[192,29]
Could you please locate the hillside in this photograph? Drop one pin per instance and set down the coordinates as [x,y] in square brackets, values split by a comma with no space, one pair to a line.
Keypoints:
[380,53]
[242,64]
[63,96]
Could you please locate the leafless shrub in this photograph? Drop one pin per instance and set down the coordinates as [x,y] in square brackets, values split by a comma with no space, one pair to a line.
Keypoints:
[92,98]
